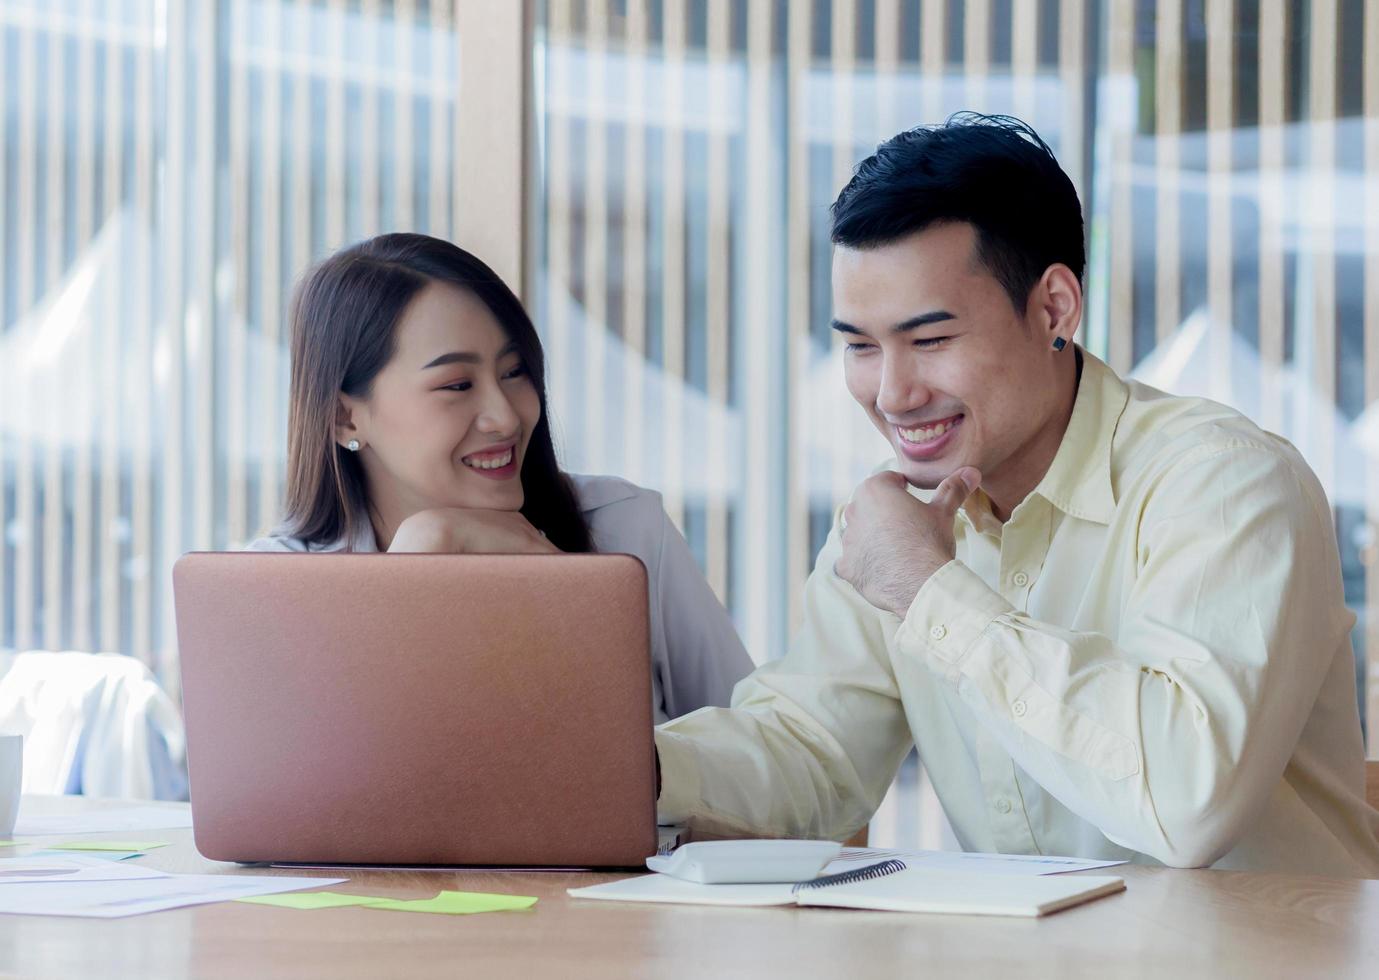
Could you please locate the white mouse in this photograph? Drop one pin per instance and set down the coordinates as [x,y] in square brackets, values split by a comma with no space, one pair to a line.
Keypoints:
[741,862]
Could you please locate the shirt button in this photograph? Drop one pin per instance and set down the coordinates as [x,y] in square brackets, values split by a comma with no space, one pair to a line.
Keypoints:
[1021,579]
[1018,708]
[1003,806]
[938,632]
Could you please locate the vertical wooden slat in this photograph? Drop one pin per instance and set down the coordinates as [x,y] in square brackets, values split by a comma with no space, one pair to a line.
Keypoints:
[335,200]
[844,59]
[1371,328]
[1072,67]
[558,218]
[84,499]
[933,56]
[203,248]
[54,502]
[1220,130]
[268,403]
[8,376]
[174,314]
[142,315]
[440,91]
[25,588]
[301,145]
[1168,102]
[369,75]
[405,16]
[976,51]
[673,311]
[112,348]
[595,272]
[761,396]
[1024,57]
[799,38]
[490,132]
[717,288]
[241,213]
[1316,414]
[887,44]
[468,18]
[1120,304]
[634,270]
[1273,99]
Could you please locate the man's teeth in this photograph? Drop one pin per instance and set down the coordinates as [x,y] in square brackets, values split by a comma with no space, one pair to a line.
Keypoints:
[927,433]
[491,463]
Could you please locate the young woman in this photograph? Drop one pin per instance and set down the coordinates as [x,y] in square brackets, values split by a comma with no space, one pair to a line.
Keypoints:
[418,423]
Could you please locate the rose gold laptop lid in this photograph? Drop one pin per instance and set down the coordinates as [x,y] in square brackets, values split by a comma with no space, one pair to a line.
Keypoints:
[418,709]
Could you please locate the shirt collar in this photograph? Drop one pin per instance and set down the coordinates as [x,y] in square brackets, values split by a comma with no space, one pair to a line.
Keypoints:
[1079,480]
[977,514]
[592,492]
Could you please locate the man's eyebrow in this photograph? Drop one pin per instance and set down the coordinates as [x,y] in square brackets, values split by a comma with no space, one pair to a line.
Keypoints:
[913,323]
[923,320]
[465,357]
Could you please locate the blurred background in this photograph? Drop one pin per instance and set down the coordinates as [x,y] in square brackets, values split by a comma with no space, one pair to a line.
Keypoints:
[653,177]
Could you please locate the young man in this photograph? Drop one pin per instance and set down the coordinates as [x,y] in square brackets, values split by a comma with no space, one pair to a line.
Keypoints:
[1111,620]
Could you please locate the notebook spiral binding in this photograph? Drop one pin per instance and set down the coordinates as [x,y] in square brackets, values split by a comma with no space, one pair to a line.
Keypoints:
[878,870]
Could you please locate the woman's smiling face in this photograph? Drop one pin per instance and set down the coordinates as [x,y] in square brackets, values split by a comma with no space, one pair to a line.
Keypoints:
[447,421]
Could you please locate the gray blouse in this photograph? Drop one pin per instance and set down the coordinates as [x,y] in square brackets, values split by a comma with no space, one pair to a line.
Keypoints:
[696,654]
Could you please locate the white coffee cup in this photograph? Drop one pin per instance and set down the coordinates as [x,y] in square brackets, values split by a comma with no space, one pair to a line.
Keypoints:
[11,777]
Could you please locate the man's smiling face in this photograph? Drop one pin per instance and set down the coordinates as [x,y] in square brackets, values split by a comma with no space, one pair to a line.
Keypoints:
[947,369]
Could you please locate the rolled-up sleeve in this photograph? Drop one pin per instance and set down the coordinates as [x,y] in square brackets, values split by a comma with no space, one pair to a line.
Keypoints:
[1171,738]
[812,740]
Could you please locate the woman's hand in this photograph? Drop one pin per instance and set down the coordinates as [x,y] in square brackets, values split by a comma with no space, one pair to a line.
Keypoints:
[458,531]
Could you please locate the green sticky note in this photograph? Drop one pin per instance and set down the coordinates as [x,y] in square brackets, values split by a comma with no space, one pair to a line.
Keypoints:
[310,900]
[107,845]
[457,903]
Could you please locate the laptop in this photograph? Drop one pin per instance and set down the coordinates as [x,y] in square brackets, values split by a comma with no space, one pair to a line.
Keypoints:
[418,709]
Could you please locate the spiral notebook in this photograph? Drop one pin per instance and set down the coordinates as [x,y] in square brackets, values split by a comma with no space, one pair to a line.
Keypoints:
[886,886]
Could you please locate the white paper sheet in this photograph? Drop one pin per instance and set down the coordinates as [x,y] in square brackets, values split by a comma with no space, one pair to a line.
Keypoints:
[969,862]
[66,870]
[905,891]
[106,821]
[97,855]
[958,893]
[114,899]
[664,888]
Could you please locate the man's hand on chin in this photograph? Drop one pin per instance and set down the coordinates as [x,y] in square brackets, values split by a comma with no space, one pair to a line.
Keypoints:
[893,542]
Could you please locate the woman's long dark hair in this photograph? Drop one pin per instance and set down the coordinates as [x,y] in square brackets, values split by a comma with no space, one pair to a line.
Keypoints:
[344,318]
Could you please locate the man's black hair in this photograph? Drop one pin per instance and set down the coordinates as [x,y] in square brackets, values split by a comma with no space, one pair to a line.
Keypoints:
[992,172]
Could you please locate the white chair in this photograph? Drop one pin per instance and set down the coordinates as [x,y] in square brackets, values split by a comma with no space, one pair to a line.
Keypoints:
[94,724]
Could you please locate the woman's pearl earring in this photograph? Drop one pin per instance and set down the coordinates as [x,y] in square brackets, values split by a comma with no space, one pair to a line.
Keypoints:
[352,445]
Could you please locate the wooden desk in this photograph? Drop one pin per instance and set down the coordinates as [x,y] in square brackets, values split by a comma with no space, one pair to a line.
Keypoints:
[1168,923]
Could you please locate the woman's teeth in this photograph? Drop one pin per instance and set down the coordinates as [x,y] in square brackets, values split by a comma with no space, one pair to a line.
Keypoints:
[489,462]
[926,433]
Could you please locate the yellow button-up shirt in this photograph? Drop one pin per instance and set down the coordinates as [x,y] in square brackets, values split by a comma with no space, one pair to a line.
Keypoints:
[1149,660]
